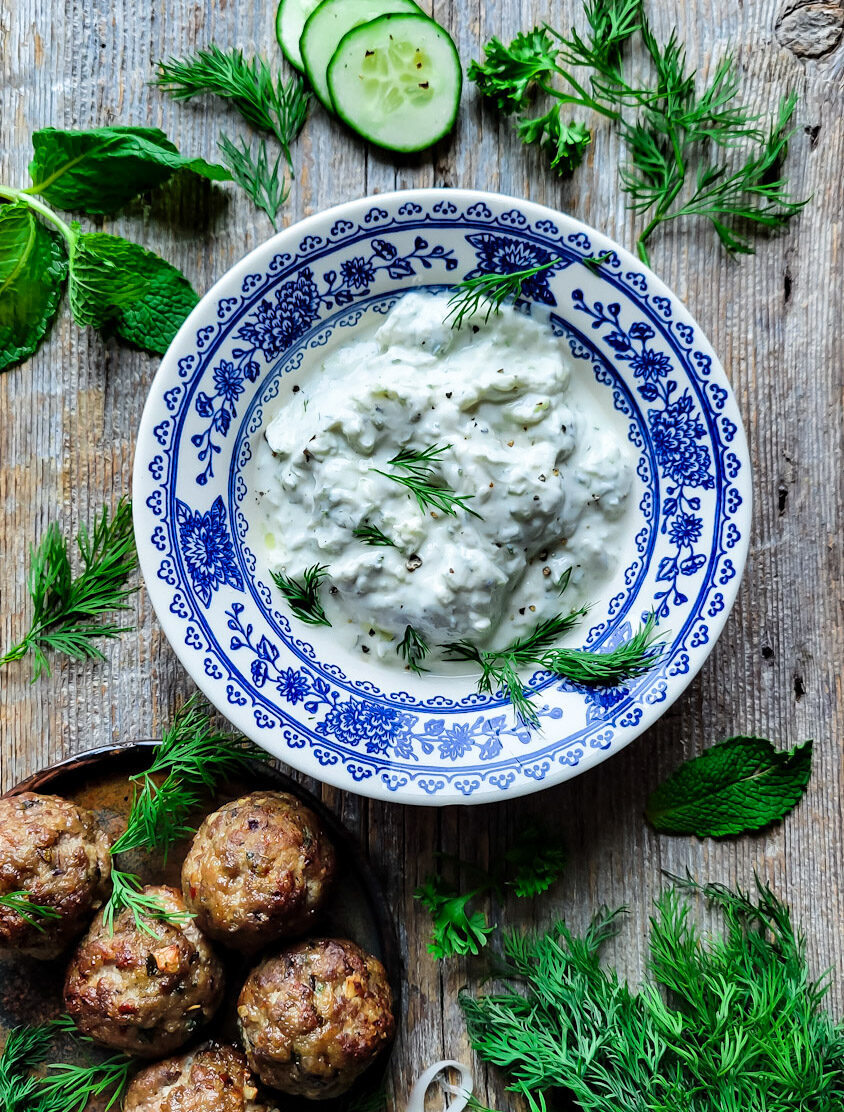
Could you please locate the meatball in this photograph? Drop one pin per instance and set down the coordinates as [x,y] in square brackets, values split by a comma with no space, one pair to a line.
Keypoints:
[212,1078]
[258,870]
[314,1017]
[140,992]
[56,853]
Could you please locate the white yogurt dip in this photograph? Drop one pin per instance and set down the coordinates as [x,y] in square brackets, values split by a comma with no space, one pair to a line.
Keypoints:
[533,440]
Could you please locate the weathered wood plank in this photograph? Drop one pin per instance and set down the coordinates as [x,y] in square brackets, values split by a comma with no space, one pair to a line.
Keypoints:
[68,421]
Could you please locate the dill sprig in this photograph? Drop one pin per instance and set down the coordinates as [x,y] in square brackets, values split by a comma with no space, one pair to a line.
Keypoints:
[425,484]
[500,667]
[371,534]
[68,610]
[693,148]
[26,1047]
[606,669]
[66,1087]
[263,182]
[729,1020]
[34,914]
[413,648]
[266,102]
[192,759]
[488,292]
[588,667]
[69,1087]
[303,594]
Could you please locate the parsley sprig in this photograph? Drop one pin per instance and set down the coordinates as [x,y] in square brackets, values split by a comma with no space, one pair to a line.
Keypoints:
[303,594]
[693,148]
[500,667]
[192,759]
[69,611]
[532,864]
[417,470]
[266,102]
[34,914]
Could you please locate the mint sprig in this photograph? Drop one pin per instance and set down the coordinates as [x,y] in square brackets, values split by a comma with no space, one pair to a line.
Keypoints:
[739,785]
[113,284]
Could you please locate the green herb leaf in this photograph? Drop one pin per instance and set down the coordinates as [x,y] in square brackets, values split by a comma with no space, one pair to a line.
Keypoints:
[372,535]
[456,930]
[26,1047]
[33,266]
[417,472]
[118,284]
[413,648]
[102,169]
[738,785]
[264,101]
[265,184]
[22,904]
[69,611]
[488,292]
[303,594]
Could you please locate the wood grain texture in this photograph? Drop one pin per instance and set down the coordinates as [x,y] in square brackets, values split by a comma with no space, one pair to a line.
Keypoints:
[68,420]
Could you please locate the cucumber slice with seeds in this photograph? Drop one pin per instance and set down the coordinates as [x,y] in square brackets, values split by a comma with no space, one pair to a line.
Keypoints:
[397,81]
[327,25]
[290,21]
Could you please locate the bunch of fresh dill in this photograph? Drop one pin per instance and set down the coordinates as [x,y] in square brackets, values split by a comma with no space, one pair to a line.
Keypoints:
[693,149]
[727,1023]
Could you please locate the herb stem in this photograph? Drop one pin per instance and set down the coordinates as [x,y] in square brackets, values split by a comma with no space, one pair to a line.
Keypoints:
[42,209]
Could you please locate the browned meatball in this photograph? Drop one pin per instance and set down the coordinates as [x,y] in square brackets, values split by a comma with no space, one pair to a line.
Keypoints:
[258,870]
[314,1017]
[140,992]
[56,853]
[212,1078]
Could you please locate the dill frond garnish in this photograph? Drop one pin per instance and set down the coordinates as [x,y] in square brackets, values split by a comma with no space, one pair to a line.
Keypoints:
[371,534]
[500,667]
[413,648]
[421,479]
[263,182]
[34,914]
[303,594]
[488,292]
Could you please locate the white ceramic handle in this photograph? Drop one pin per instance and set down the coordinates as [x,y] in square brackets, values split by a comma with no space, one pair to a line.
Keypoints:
[460,1093]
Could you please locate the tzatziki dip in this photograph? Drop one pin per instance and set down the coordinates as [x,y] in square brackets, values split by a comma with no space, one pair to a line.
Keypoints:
[504,419]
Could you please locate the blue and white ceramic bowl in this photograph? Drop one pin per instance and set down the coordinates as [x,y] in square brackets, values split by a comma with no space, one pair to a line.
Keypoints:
[371,728]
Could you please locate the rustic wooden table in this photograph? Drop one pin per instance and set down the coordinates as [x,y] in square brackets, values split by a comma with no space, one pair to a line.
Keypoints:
[68,420]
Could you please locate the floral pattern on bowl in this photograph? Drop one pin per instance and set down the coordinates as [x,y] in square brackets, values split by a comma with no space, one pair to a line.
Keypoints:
[291,689]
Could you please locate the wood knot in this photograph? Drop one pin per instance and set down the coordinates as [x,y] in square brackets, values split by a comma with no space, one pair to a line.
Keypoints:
[812,28]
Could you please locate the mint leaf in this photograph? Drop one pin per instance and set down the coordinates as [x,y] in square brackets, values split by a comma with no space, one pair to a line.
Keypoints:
[117,283]
[32,269]
[738,785]
[102,169]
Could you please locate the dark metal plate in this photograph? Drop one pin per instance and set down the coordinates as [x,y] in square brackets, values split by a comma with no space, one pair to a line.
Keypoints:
[31,991]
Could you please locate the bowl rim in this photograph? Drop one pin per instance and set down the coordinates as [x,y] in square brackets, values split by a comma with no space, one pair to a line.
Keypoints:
[353,209]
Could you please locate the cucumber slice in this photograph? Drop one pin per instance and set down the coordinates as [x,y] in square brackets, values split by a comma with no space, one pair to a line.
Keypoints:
[397,81]
[327,25]
[290,20]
